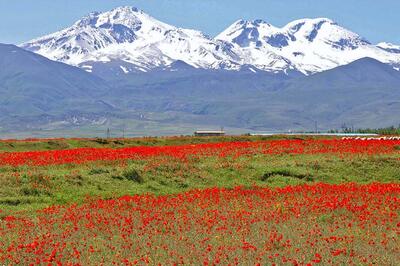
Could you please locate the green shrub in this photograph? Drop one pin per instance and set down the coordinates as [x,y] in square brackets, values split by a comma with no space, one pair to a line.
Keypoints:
[118,177]
[28,191]
[98,171]
[32,191]
[101,141]
[118,142]
[285,173]
[75,179]
[133,175]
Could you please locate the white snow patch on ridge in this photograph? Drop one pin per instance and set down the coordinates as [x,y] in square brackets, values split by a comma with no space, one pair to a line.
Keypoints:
[124,69]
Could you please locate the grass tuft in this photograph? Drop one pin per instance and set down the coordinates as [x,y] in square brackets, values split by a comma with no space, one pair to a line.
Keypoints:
[133,175]
[285,173]
[98,171]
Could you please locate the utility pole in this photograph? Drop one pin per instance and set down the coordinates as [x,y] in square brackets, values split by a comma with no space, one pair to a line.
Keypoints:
[108,133]
[316,126]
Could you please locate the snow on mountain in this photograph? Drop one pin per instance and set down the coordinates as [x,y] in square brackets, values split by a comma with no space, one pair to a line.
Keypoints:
[391,48]
[245,36]
[126,40]
[128,34]
[311,45]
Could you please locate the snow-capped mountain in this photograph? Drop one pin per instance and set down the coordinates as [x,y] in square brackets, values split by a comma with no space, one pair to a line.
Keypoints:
[135,40]
[310,45]
[126,40]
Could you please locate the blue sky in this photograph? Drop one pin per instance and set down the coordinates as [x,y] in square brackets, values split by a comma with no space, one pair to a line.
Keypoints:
[22,20]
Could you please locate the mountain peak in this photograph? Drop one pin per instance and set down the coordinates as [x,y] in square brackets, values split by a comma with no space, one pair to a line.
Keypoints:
[128,36]
[310,21]
[249,23]
[124,12]
[134,40]
[124,15]
[308,24]
[310,44]
[246,33]
[126,9]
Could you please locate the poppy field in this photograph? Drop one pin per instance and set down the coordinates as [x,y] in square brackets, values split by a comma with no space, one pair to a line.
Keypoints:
[237,149]
[251,201]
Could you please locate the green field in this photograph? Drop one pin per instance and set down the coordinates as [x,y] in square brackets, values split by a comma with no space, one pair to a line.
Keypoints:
[28,188]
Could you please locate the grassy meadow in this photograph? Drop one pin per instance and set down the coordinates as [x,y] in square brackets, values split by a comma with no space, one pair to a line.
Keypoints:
[28,188]
[235,200]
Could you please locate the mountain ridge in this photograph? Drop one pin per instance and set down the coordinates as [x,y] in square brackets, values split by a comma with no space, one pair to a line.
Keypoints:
[141,43]
[130,35]
[311,45]
[38,94]
[33,87]
[127,68]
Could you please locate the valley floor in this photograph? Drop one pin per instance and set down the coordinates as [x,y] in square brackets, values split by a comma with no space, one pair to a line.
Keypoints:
[192,200]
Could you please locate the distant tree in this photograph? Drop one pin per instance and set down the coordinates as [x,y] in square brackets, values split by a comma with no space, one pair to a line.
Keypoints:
[392,130]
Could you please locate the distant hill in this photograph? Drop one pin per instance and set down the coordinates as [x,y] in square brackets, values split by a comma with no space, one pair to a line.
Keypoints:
[33,87]
[40,94]
[365,93]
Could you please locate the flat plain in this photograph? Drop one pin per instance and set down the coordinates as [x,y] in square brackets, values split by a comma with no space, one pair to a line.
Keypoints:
[230,200]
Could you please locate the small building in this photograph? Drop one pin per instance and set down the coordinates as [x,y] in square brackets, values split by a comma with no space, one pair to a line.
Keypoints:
[209,133]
